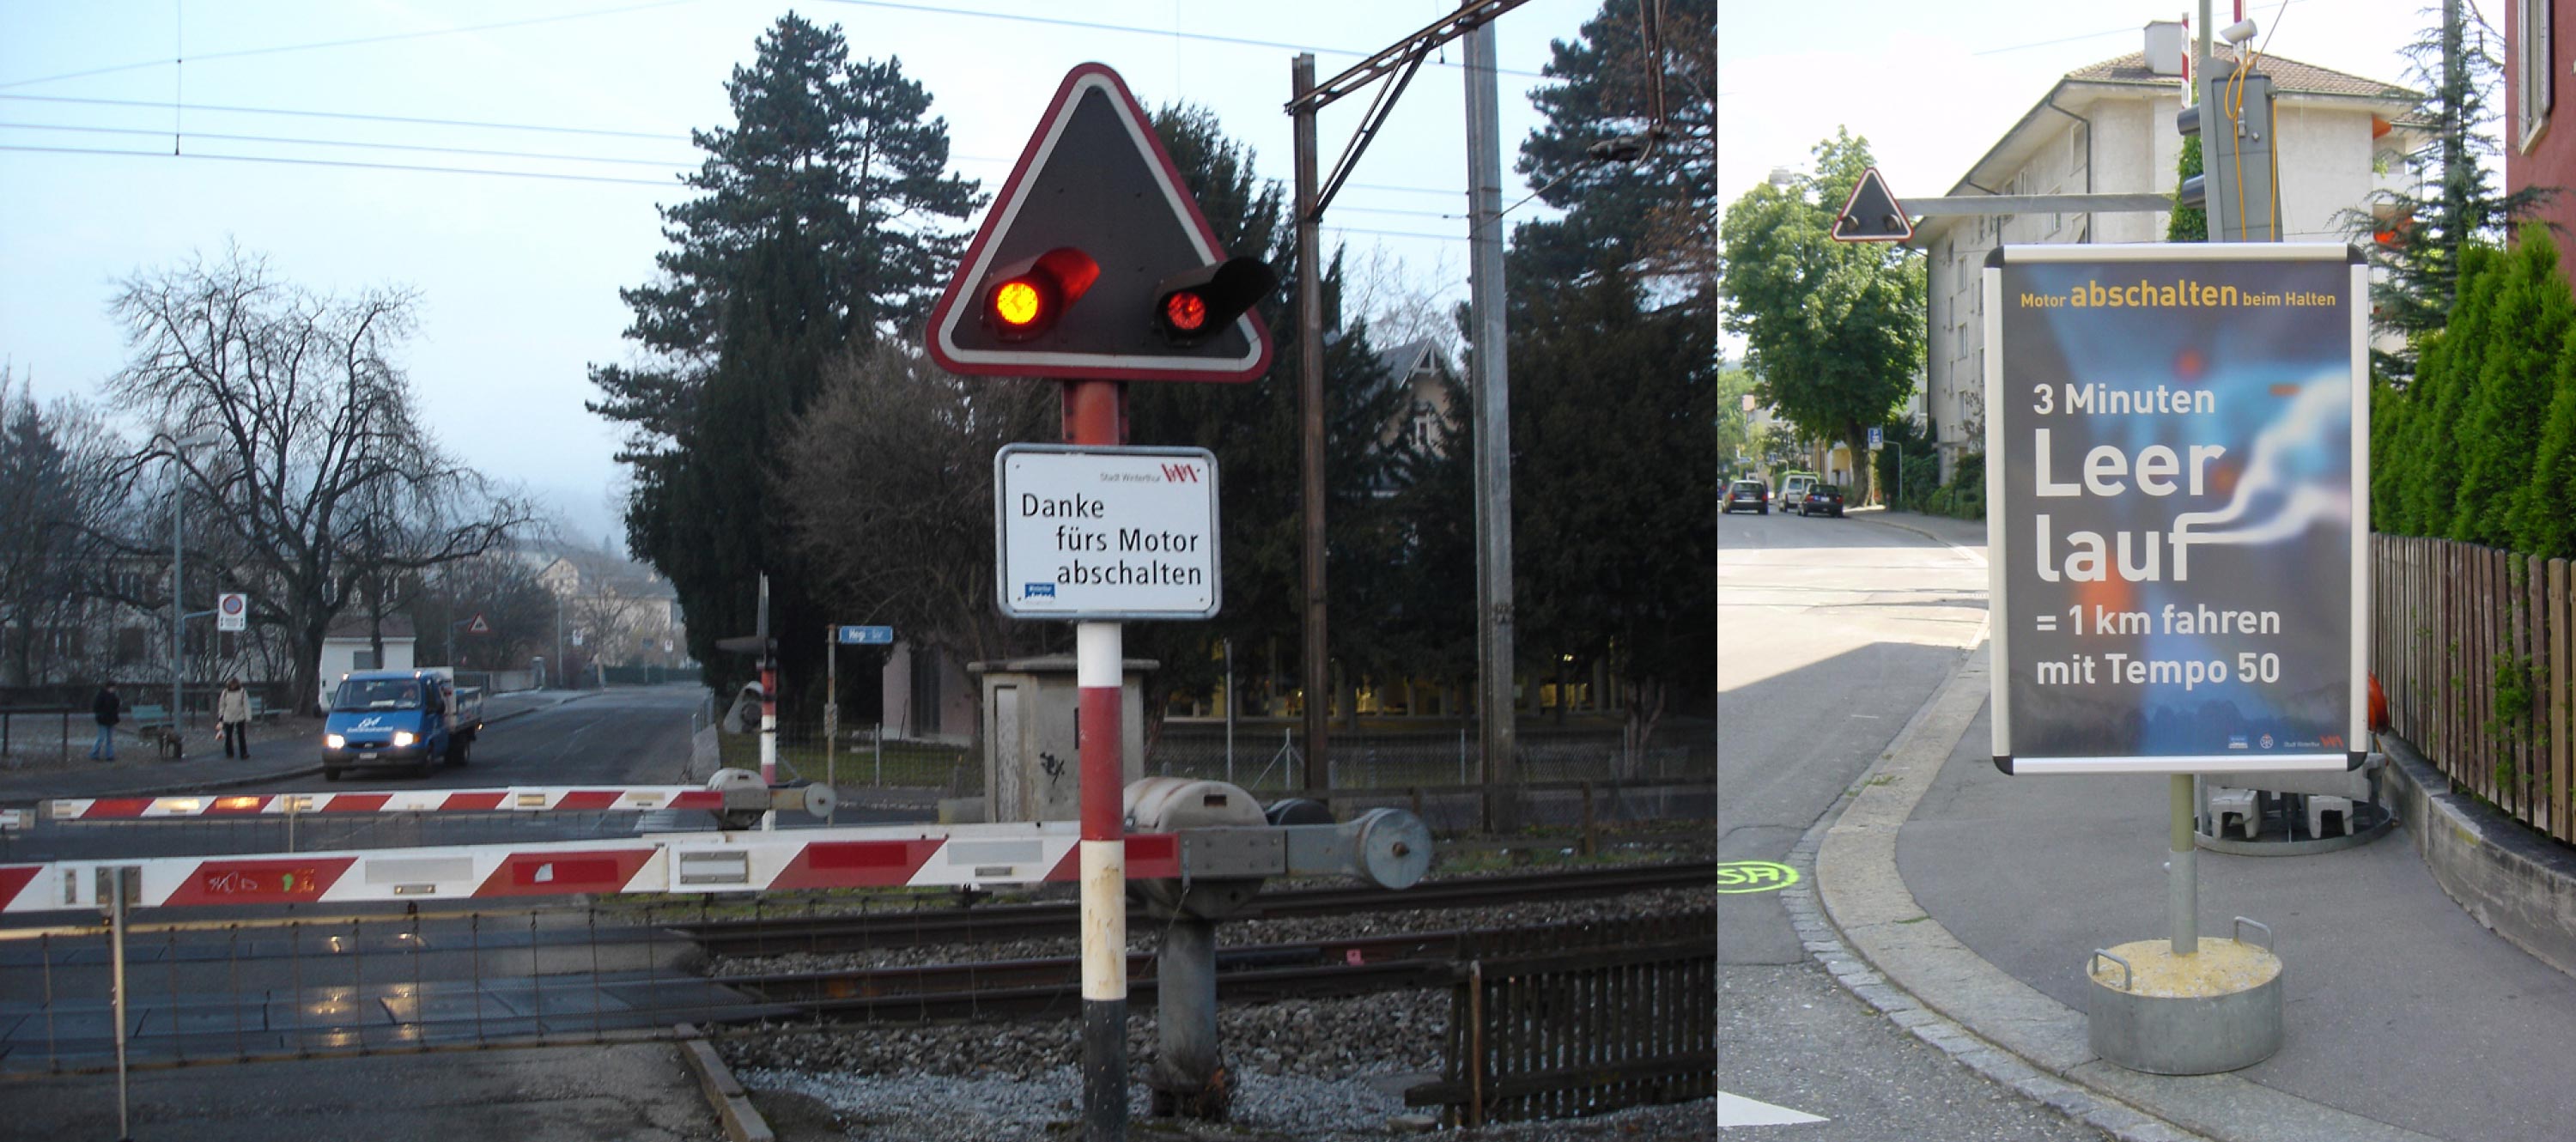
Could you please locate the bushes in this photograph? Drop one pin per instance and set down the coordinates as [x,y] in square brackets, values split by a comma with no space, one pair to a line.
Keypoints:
[2481,446]
[1964,497]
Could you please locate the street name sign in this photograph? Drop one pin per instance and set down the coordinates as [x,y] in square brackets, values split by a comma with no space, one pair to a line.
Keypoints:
[1101,533]
[232,612]
[2178,447]
[864,636]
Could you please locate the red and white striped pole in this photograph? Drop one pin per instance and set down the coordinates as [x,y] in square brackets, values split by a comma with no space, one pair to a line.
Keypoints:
[1095,413]
[768,704]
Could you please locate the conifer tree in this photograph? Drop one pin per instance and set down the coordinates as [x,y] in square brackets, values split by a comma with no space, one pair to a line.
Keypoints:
[2454,66]
[2500,429]
[814,233]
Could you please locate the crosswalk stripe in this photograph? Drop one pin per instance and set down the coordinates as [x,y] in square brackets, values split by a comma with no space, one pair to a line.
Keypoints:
[1735,1110]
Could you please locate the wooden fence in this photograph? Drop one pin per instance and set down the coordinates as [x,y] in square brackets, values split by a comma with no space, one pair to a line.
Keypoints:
[1580,1019]
[2471,646]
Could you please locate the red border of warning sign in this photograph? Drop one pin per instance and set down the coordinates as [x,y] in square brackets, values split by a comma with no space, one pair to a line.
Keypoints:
[1868,176]
[1084,366]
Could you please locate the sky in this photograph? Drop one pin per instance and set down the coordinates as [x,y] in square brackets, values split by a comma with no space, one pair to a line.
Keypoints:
[1932,84]
[329,137]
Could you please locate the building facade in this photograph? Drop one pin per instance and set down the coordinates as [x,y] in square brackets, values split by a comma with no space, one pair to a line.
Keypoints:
[2109,129]
[2536,154]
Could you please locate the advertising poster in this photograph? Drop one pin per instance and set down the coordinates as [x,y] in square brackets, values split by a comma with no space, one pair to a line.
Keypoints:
[2177,470]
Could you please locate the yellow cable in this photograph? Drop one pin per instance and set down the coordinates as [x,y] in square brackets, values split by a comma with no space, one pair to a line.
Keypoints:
[2272,223]
[2233,99]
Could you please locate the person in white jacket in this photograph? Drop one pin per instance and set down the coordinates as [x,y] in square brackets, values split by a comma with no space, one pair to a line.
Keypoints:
[232,714]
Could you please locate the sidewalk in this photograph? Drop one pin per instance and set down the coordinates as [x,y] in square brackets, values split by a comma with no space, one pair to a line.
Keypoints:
[138,773]
[1963,903]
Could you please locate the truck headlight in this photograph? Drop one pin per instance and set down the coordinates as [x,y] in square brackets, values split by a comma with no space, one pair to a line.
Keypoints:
[334,741]
[402,738]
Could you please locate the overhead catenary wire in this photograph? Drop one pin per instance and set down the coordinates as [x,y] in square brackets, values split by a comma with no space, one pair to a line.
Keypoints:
[890,5]
[353,42]
[411,120]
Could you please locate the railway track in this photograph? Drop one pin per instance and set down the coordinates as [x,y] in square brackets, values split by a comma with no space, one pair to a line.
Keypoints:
[1051,986]
[779,935]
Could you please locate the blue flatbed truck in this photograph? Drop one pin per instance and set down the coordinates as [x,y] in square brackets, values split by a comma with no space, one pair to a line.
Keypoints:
[410,719]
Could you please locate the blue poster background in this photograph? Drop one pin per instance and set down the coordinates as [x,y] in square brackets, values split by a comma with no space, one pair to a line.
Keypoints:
[2251,359]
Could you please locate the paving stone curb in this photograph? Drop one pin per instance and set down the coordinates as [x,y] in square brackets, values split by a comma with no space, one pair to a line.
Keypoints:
[742,1121]
[1824,944]
[1876,939]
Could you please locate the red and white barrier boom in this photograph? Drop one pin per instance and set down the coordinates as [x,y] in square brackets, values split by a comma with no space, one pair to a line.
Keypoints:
[731,791]
[1386,847]
[512,800]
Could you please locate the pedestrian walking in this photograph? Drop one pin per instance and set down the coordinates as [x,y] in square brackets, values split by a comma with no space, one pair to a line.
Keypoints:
[107,708]
[232,716]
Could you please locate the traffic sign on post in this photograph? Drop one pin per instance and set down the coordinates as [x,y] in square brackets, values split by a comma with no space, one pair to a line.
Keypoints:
[1105,533]
[480,625]
[1871,213]
[1095,263]
[1877,438]
[232,612]
[864,636]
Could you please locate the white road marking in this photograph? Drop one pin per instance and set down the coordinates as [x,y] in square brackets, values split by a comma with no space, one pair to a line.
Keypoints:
[1735,1110]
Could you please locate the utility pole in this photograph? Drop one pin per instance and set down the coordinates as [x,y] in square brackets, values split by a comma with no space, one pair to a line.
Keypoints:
[178,611]
[1489,383]
[1310,430]
[1395,64]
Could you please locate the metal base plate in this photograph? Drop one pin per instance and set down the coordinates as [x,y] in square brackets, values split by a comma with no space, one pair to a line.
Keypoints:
[2370,823]
[2216,1010]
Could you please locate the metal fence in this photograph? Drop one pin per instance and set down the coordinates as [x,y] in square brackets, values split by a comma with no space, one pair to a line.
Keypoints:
[1580,1019]
[251,990]
[2472,647]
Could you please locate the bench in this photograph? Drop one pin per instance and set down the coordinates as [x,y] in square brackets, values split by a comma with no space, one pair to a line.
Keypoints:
[261,711]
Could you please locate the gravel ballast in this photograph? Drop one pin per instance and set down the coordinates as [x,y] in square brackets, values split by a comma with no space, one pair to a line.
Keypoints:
[1302,1069]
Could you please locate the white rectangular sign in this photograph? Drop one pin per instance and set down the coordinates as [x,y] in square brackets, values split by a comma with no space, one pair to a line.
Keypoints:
[232,612]
[1105,533]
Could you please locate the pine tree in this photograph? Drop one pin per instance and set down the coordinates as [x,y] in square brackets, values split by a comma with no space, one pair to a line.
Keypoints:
[2453,63]
[806,241]
[1647,74]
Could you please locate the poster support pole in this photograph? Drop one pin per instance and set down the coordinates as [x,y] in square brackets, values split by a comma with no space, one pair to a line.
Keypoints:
[2182,881]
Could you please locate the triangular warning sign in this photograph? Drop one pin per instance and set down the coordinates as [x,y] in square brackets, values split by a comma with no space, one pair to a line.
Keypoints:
[478,626]
[1872,214]
[1095,178]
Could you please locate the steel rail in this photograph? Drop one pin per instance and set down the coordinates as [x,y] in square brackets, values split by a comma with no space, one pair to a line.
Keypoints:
[1035,921]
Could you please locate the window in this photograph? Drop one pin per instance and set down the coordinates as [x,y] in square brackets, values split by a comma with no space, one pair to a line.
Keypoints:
[2532,63]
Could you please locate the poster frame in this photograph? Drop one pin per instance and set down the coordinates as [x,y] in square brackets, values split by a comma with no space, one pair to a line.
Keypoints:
[2357,306]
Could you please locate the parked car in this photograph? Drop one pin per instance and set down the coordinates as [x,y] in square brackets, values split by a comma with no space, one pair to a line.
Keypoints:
[1748,494]
[1822,499]
[1793,488]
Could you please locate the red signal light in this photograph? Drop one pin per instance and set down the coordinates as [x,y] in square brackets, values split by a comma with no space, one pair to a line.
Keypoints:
[1026,298]
[1194,305]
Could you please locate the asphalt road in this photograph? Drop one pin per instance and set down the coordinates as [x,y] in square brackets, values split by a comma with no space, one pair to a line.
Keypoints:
[618,736]
[1831,633]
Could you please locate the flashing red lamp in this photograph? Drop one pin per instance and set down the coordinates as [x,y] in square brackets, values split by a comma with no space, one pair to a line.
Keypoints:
[1027,298]
[1191,306]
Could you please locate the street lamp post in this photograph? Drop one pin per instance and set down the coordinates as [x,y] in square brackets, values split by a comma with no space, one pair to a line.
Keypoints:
[178,566]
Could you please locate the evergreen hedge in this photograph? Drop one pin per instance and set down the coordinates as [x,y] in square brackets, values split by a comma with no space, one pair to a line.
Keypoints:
[2480,445]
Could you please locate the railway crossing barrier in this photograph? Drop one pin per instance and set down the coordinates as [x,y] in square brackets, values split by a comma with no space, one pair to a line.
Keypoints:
[1210,839]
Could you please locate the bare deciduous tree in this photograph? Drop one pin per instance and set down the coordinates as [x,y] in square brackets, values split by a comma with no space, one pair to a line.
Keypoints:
[303,468]
[889,485]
